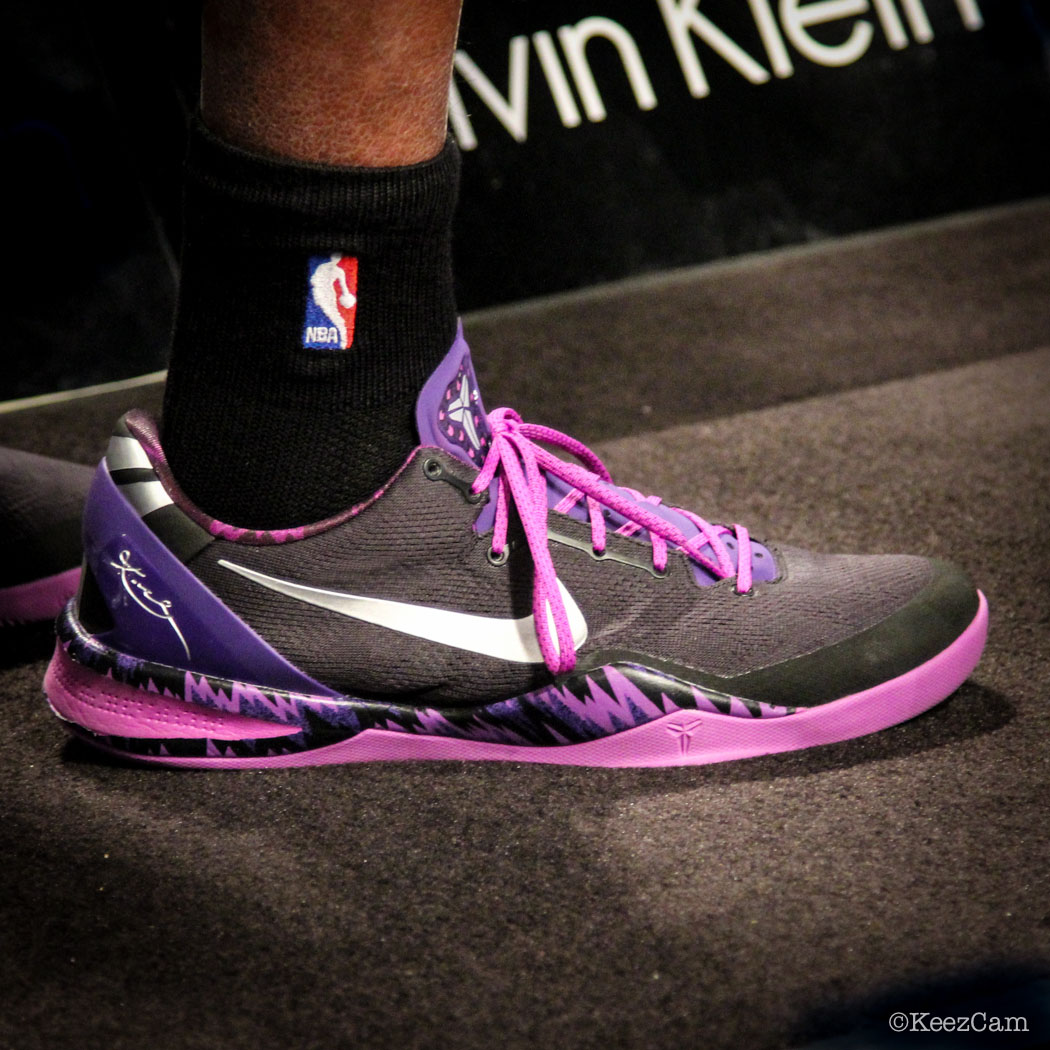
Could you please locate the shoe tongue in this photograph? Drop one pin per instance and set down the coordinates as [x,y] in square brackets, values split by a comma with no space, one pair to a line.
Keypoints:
[450,416]
[449,412]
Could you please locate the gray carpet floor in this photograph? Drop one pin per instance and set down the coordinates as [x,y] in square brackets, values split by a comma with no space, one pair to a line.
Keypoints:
[889,392]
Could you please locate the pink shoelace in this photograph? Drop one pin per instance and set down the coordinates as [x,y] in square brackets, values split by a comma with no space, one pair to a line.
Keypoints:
[522,466]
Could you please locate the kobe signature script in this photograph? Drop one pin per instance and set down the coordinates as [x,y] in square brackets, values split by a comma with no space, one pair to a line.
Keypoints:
[133,580]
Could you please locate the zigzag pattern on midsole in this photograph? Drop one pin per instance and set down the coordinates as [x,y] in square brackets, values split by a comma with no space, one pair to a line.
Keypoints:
[583,707]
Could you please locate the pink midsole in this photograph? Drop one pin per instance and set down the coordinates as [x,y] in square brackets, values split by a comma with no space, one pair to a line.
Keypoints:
[110,708]
[681,738]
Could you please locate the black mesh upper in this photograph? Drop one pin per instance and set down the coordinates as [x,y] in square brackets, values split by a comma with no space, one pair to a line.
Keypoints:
[416,544]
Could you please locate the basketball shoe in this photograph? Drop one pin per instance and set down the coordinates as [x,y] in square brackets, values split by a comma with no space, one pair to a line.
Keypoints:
[492,601]
[40,505]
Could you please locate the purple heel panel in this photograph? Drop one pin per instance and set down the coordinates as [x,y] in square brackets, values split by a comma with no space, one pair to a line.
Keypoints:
[161,611]
[37,600]
[683,737]
[110,708]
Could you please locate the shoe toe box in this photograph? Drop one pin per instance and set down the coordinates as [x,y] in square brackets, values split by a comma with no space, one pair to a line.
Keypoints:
[885,617]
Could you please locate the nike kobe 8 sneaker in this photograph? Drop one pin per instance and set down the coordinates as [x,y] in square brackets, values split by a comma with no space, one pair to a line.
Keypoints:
[493,601]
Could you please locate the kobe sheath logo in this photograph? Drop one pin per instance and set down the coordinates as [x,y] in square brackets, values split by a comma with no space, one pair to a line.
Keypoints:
[331,302]
[133,580]
[684,732]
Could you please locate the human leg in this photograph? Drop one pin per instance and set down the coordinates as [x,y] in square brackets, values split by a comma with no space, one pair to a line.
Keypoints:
[332,153]
[355,84]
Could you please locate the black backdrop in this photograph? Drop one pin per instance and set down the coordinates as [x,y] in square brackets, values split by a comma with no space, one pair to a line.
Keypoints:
[922,117]
[603,139]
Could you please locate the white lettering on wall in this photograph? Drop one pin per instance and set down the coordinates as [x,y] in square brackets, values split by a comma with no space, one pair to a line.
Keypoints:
[513,111]
[797,17]
[892,29]
[693,37]
[918,23]
[547,52]
[683,21]
[970,14]
[574,41]
[772,41]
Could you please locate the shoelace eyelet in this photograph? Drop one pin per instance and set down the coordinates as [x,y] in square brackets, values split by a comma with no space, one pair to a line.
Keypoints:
[435,471]
[497,559]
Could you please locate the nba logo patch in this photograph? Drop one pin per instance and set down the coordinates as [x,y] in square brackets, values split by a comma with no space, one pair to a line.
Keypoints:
[331,302]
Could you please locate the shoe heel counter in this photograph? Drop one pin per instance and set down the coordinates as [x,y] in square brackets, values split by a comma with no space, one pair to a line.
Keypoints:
[103,518]
[124,562]
[90,603]
[140,593]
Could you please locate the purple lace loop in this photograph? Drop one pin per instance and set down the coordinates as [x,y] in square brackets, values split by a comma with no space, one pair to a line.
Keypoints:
[522,467]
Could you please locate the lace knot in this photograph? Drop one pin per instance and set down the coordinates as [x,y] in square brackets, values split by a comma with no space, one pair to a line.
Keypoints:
[520,467]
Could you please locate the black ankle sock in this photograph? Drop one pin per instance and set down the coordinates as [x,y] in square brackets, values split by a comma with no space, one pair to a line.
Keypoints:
[268,422]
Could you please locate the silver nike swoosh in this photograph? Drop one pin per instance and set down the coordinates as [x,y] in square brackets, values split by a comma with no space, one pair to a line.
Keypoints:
[512,640]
